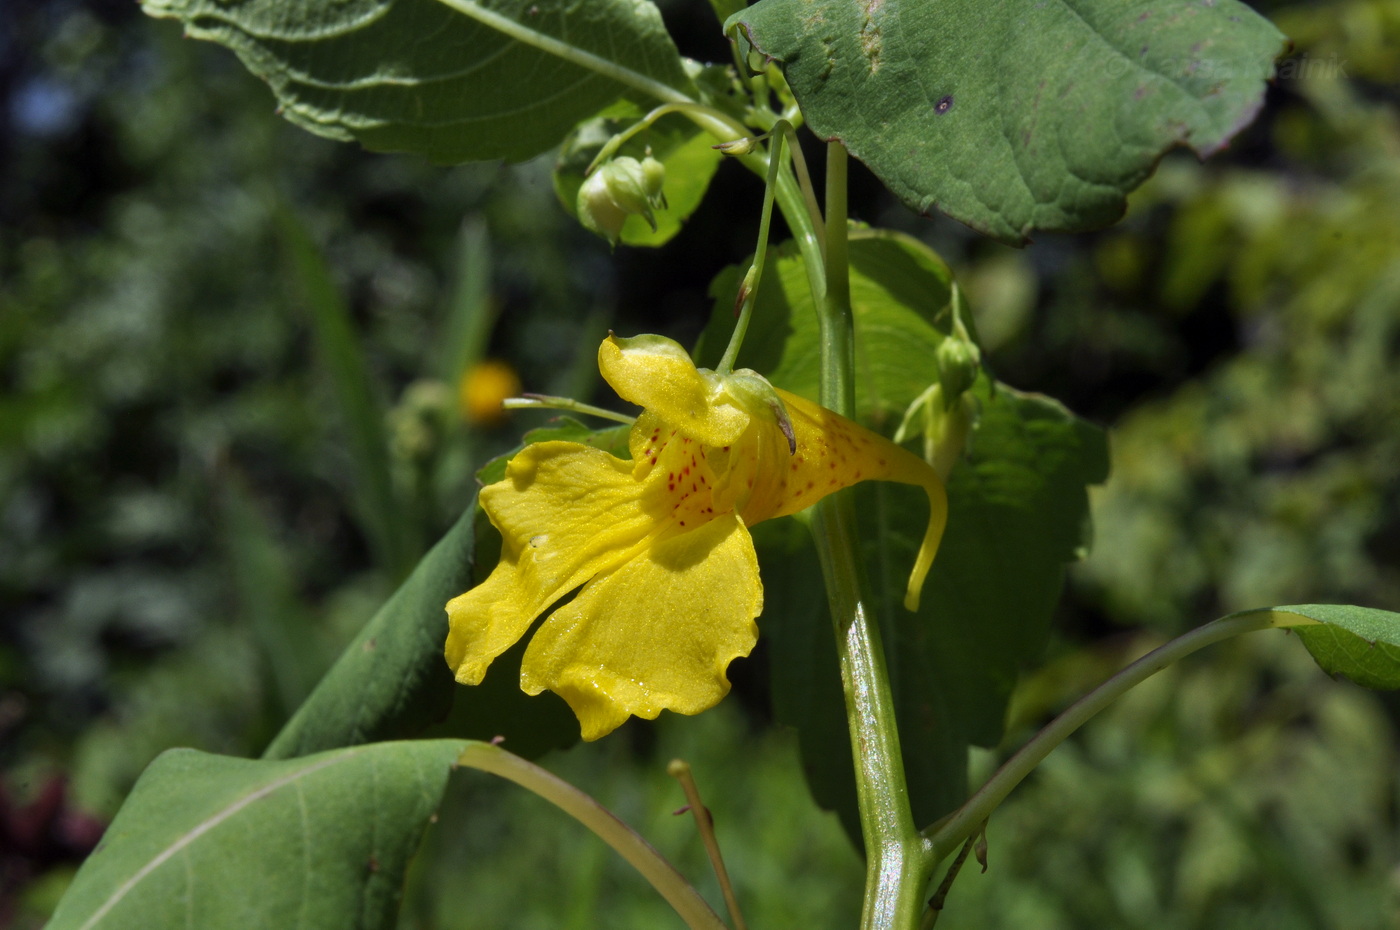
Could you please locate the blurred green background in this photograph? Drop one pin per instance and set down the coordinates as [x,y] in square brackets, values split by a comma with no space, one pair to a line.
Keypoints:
[232,360]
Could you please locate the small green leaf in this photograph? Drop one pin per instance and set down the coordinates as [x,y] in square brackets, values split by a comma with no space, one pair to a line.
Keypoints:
[456,80]
[1014,117]
[393,680]
[1360,643]
[684,150]
[215,842]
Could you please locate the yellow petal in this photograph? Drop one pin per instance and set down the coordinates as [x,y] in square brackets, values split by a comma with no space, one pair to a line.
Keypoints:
[566,512]
[833,453]
[655,634]
[656,373]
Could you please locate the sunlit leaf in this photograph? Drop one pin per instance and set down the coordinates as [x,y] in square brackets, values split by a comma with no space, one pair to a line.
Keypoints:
[216,842]
[458,80]
[1360,643]
[1014,117]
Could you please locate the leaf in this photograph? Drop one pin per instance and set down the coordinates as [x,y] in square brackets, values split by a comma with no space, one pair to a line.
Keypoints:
[456,80]
[805,673]
[898,287]
[1014,117]
[684,150]
[338,350]
[392,681]
[216,842]
[1018,513]
[1361,643]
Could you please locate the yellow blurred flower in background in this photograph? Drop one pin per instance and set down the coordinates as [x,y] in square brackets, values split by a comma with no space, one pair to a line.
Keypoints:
[659,546]
[482,388]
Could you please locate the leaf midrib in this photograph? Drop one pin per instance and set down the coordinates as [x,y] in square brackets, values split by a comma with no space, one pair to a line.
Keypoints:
[560,49]
[204,827]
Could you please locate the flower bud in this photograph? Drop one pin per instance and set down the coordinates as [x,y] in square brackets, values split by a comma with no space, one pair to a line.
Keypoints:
[654,182]
[614,192]
[958,362]
[736,146]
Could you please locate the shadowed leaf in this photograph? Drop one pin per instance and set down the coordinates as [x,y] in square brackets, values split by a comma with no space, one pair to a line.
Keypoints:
[458,80]
[216,842]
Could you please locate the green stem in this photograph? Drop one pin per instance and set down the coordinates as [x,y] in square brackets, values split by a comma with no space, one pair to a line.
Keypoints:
[637,851]
[550,402]
[697,111]
[948,834]
[527,35]
[748,290]
[837,329]
[898,864]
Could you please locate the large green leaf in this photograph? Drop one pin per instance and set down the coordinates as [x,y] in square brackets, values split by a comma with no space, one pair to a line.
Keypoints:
[392,681]
[1360,643]
[804,671]
[456,80]
[215,842]
[1013,116]
[1018,513]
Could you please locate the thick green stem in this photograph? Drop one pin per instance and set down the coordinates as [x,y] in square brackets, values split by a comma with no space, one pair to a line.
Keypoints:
[898,864]
[949,834]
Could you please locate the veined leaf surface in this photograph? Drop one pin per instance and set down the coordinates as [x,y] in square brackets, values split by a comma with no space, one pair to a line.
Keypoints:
[455,80]
[1014,116]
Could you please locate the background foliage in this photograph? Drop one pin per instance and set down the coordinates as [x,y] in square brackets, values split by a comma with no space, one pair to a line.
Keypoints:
[183,551]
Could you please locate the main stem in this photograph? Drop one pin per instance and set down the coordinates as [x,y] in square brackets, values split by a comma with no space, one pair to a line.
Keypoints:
[897,856]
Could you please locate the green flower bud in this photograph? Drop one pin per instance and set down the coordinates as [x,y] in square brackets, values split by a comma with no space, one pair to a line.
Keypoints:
[654,182]
[612,193]
[736,146]
[958,362]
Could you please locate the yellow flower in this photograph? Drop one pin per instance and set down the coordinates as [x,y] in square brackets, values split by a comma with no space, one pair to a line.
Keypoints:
[659,546]
[481,390]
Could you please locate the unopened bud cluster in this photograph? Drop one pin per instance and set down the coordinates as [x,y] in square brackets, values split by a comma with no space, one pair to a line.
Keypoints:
[618,189]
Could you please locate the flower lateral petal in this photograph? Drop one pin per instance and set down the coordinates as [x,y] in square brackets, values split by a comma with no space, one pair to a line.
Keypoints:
[657,633]
[566,512]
